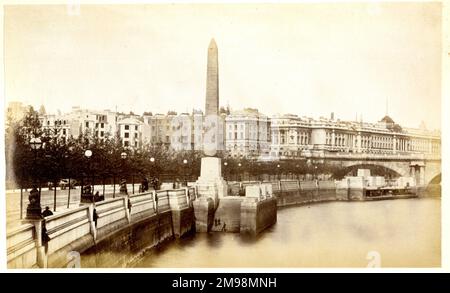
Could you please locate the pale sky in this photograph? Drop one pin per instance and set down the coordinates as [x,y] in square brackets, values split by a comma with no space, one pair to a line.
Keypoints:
[305,59]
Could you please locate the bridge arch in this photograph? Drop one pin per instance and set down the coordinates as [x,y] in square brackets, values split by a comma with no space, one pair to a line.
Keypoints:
[436,179]
[375,170]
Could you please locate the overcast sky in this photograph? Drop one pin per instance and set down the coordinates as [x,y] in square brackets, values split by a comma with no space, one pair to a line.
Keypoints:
[305,59]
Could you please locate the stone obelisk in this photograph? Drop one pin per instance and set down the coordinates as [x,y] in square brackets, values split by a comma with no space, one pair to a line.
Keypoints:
[210,185]
[212,80]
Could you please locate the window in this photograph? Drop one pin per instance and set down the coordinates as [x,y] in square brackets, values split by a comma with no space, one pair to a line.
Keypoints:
[127,135]
[135,144]
[96,125]
[127,127]
[64,131]
[135,127]
[102,133]
[102,125]
[87,124]
[135,135]
[126,143]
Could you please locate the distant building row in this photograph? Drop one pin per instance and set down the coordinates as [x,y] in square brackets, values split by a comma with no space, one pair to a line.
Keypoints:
[245,133]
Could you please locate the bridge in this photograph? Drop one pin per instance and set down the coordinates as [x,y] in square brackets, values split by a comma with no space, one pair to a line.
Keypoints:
[425,168]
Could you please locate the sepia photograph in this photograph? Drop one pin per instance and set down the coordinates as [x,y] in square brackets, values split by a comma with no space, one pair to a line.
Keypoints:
[215,135]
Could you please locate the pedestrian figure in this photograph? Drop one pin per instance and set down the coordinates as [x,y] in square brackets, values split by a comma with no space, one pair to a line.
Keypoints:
[155,183]
[123,187]
[97,196]
[95,217]
[44,236]
[129,205]
[47,212]
[144,185]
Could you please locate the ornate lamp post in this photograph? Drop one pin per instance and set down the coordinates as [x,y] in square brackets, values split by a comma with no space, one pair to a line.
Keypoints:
[278,171]
[34,205]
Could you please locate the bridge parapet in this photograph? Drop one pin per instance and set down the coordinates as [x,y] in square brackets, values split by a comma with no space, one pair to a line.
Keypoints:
[375,156]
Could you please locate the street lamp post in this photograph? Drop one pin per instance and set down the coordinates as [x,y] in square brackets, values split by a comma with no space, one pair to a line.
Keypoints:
[34,206]
[239,168]
[123,182]
[153,179]
[86,191]
[278,172]
[225,171]
[185,171]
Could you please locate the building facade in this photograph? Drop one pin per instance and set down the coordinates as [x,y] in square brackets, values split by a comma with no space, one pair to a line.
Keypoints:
[294,136]
[247,134]
[130,132]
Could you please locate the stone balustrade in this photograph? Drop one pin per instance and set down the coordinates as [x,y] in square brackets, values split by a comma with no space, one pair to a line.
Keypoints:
[142,205]
[192,195]
[163,200]
[178,199]
[66,227]
[21,247]
[288,185]
[171,215]
[112,214]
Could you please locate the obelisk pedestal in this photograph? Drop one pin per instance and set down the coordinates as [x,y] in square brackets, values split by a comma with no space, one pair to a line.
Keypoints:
[210,188]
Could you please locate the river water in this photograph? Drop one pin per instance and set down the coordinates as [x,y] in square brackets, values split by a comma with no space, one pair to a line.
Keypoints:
[391,233]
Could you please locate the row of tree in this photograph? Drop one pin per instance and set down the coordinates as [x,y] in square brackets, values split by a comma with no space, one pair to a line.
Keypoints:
[60,158]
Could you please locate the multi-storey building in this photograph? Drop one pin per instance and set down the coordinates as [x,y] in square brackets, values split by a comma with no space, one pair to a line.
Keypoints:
[290,135]
[293,136]
[130,132]
[182,131]
[247,134]
[56,126]
[160,128]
